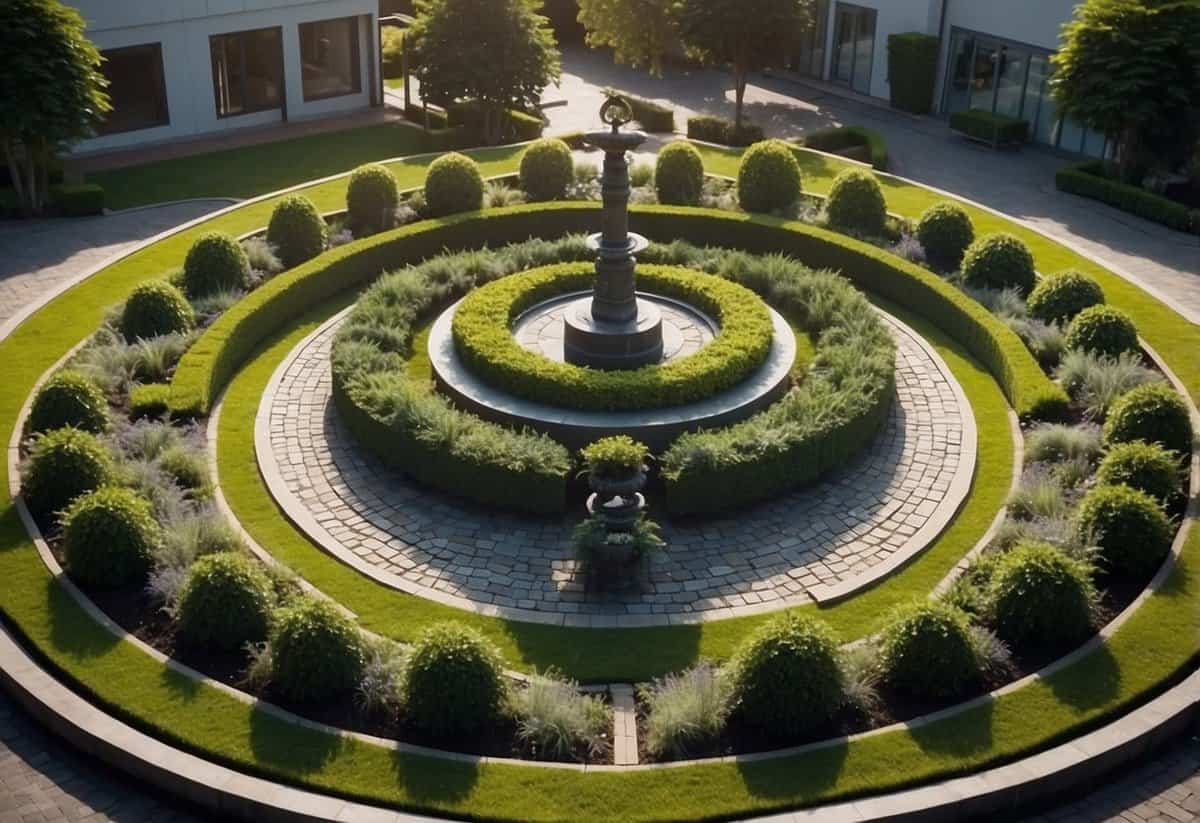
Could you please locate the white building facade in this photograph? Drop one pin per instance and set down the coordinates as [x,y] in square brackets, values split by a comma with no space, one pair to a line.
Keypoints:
[187,68]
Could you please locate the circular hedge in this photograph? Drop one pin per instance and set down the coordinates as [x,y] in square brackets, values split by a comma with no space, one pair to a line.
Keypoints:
[316,651]
[483,336]
[296,231]
[454,681]
[215,262]
[999,261]
[63,464]
[1039,597]
[769,177]
[547,168]
[225,602]
[927,650]
[371,199]
[945,232]
[856,203]
[1059,297]
[1129,526]
[679,174]
[1102,330]
[68,399]
[1152,412]
[109,536]
[453,184]
[153,308]
[1147,467]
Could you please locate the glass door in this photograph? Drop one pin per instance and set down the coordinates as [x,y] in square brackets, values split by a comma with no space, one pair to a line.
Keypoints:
[810,51]
[854,47]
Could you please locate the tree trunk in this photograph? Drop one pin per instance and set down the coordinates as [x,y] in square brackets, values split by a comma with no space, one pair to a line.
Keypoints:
[739,92]
[1127,153]
[493,124]
[14,171]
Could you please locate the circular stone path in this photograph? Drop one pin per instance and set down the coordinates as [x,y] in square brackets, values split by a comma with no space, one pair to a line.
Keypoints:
[816,544]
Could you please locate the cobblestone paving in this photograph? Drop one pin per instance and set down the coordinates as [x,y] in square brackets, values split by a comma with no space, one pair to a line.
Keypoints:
[768,556]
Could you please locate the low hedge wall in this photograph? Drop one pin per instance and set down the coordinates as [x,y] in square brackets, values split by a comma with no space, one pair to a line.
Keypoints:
[855,142]
[997,129]
[712,129]
[652,116]
[912,70]
[1088,180]
[79,200]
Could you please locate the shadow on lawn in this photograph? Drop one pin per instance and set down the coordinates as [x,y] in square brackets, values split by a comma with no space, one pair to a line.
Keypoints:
[290,746]
[962,735]
[1089,684]
[72,630]
[795,778]
[608,655]
[434,780]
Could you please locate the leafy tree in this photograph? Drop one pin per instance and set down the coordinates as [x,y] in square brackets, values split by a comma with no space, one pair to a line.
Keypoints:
[51,92]
[499,52]
[638,31]
[1130,69]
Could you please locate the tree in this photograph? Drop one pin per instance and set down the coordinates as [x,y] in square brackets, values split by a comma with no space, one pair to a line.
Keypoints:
[638,31]
[500,53]
[1130,69]
[51,91]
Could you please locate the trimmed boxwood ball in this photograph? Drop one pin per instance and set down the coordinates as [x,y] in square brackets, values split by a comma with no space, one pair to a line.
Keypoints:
[1129,526]
[63,464]
[769,177]
[547,169]
[1039,597]
[1102,330]
[927,650]
[215,262]
[454,682]
[1153,412]
[225,602]
[453,184]
[371,199]
[109,536]
[153,308]
[945,232]
[856,203]
[296,231]
[68,399]
[999,261]
[316,651]
[1147,467]
[679,174]
[787,678]
[1059,297]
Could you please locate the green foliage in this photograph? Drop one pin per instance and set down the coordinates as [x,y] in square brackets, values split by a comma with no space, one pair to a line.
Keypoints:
[547,169]
[686,711]
[68,399]
[617,457]
[1089,180]
[1129,526]
[63,464]
[1147,467]
[555,721]
[186,468]
[768,177]
[856,203]
[297,230]
[1040,598]
[679,174]
[1040,495]
[855,142]
[912,71]
[455,684]
[453,184]
[78,200]
[225,602]
[639,32]
[945,233]
[391,51]
[710,128]
[991,127]
[371,199]
[1152,412]
[787,677]
[153,308]
[926,649]
[1059,443]
[109,536]
[999,261]
[316,651]
[1095,381]
[1102,330]
[214,263]
[149,400]
[653,117]
[1059,297]
[525,126]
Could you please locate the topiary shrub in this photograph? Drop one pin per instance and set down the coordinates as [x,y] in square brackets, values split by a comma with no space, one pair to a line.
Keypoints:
[1128,525]
[768,177]
[455,681]
[999,261]
[109,536]
[153,308]
[856,203]
[63,464]
[225,602]
[316,651]
[1039,597]
[787,678]
[68,399]
[297,230]
[454,184]
[1147,467]
[371,199]
[1059,297]
[927,650]
[679,174]
[1102,330]
[945,232]
[1152,412]
[547,169]
[149,400]
[215,263]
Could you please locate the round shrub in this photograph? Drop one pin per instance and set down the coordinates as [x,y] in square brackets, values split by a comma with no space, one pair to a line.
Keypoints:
[68,399]
[1128,525]
[1040,597]
[856,203]
[316,651]
[927,650]
[547,169]
[787,678]
[768,177]
[1152,412]
[215,262]
[453,184]
[108,537]
[371,199]
[455,681]
[1059,297]
[1102,330]
[999,261]
[1147,467]
[296,230]
[63,464]
[945,232]
[679,174]
[153,308]
[225,602]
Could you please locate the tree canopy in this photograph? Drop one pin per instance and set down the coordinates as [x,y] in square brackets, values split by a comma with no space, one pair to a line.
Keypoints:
[638,31]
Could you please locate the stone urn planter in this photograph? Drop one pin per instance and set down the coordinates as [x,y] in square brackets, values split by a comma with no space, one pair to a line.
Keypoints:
[616,533]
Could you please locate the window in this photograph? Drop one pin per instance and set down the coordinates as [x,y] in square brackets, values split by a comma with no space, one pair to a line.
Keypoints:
[854,47]
[247,71]
[329,58]
[135,88]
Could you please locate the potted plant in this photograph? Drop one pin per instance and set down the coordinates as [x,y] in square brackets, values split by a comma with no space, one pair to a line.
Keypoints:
[616,466]
[616,533]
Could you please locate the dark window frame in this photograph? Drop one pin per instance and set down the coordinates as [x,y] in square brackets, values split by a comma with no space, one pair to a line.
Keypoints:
[163,104]
[225,36]
[355,55]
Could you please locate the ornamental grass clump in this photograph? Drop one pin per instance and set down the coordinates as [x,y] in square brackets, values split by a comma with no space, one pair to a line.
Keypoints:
[186,467]
[945,232]
[686,712]
[555,721]
[153,308]
[68,399]
[225,602]
[1039,494]
[1102,330]
[769,177]
[297,231]
[547,169]
[1154,413]
[927,649]
[215,262]
[371,199]
[109,537]
[1147,467]
[316,651]
[453,184]
[856,204]
[999,261]
[62,465]
[455,681]
[679,174]
[1040,598]
[1059,297]
[1129,526]
[1096,381]
[1060,442]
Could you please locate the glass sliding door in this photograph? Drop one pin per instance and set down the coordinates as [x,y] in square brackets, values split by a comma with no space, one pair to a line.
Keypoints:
[854,47]
[1011,66]
[247,68]
[960,71]
[810,51]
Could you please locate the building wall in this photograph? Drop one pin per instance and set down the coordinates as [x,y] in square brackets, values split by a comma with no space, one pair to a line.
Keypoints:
[891,17]
[1036,22]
